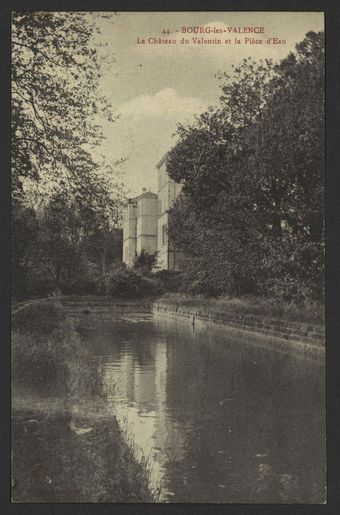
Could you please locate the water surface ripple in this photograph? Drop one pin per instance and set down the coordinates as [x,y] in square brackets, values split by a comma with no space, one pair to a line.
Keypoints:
[218,419]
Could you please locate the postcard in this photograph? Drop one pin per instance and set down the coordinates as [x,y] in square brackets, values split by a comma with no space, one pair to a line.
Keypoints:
[168,241]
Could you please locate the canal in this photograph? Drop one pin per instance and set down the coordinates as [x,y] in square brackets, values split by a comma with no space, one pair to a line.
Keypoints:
[218,419]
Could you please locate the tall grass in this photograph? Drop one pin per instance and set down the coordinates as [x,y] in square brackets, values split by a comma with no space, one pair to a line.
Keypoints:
[47,354]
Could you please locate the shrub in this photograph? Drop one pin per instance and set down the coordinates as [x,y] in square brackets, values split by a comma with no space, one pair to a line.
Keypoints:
[39,318]
[123,282]
[43,343]
[169,280]
[87,282]
[28,282]
[145,262]
[83,279]
[47,354]
[40,285]
[294,271]
[150,286]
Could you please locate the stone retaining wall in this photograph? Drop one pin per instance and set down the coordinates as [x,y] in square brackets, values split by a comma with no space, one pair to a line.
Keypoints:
[302,337]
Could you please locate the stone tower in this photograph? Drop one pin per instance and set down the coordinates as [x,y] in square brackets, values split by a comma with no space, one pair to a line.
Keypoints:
[140,226]
[146,223]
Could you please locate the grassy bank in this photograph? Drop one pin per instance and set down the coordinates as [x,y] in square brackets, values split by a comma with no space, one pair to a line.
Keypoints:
[255,306]
[63,459]
[62,456]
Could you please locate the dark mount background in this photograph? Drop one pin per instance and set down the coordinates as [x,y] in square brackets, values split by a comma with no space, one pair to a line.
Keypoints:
[332,13]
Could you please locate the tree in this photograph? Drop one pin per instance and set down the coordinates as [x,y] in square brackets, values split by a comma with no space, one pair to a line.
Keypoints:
[55,76]
[24,238]
[251,211]
[145,262]
[75,200]
[104,247]
[76,244]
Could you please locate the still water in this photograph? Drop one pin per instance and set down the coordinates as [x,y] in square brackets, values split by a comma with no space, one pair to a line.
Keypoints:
[219,419]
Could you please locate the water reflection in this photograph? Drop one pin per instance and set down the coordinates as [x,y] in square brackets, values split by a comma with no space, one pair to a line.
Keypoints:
[218,419]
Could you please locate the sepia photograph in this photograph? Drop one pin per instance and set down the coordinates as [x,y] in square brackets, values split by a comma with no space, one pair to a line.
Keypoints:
[168,257]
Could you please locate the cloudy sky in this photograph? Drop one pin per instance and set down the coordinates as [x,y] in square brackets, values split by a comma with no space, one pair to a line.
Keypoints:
[154,87]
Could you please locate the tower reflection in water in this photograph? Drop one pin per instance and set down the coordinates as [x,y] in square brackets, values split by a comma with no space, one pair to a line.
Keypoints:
[219,420]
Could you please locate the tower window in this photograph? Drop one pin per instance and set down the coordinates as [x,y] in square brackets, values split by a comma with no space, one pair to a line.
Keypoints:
[164,234]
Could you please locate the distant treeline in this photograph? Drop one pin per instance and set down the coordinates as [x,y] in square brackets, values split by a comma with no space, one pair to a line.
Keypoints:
[251,212]
[67,248]
[62,248]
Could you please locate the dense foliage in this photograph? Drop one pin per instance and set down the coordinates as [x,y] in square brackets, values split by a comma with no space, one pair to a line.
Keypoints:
[66,205]
[251,210]
[144,262]
[55,101]
[127,283]
[61,249]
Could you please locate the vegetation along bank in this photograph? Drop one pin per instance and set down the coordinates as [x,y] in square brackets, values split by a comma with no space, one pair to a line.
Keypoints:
[59,410]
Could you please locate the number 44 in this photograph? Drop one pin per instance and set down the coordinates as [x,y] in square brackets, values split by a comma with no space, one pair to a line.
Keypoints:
[166,31]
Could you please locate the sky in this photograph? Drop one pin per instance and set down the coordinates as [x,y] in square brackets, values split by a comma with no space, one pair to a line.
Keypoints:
[153,87]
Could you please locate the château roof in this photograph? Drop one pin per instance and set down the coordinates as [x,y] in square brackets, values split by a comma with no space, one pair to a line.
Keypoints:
[145,194]
[158,165]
